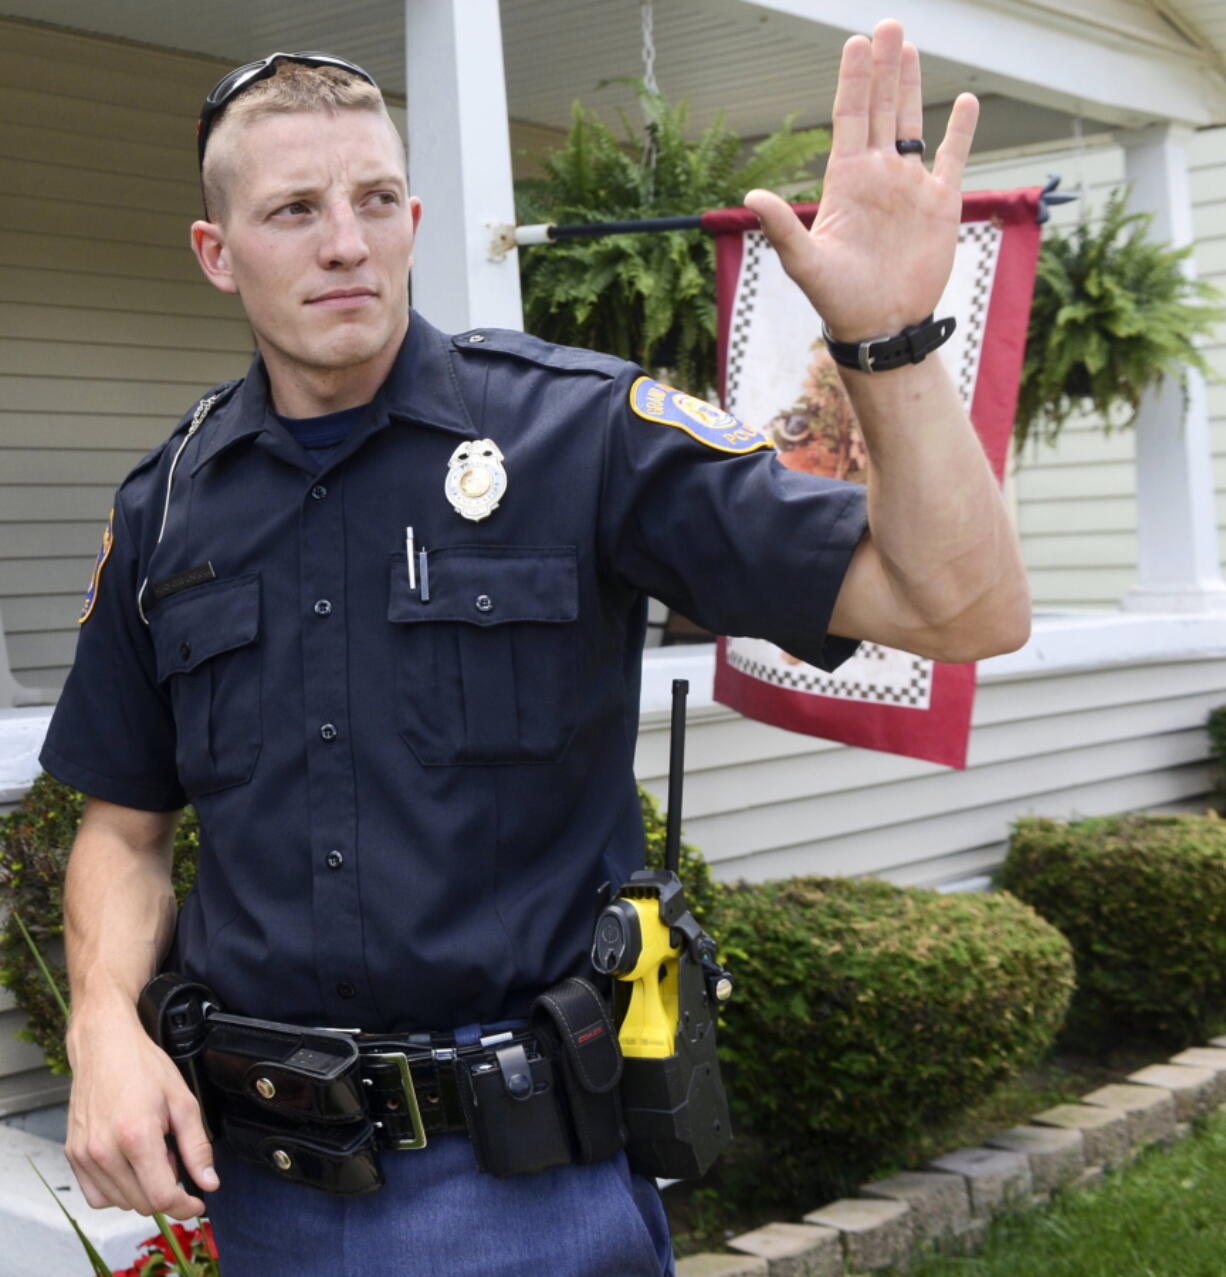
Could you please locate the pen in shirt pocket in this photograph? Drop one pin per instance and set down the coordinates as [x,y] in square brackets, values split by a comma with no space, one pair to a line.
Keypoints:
[410,558]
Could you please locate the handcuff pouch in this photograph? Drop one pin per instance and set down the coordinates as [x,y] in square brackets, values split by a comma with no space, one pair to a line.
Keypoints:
[514,1112]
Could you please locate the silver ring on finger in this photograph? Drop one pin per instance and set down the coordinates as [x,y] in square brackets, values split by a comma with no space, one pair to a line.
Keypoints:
[910,146]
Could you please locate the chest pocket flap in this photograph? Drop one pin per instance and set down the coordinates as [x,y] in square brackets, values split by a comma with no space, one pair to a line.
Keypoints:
[205,622]
[489,585]
[486,666]
[205,645]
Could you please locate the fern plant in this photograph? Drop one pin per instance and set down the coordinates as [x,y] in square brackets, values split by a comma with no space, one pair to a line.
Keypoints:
[1113,314]
[646,297]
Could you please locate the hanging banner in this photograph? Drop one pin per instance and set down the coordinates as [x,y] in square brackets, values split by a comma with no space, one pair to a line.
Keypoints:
[778,378]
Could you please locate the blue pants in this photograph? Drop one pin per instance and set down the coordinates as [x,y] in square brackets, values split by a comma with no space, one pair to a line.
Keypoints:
[437,1214]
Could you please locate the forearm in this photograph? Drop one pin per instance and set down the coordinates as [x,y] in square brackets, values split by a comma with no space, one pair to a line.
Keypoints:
[119,912]
[938,523]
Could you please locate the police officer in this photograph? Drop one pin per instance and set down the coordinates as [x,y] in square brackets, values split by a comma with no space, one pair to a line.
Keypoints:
[377,611]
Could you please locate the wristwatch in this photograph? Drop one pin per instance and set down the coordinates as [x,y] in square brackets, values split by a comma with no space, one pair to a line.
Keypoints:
[880,354]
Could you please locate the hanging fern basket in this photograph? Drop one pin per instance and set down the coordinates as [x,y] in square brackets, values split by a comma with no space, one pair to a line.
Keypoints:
[1114,313]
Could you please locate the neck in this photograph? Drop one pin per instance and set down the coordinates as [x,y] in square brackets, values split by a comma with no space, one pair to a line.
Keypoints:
[299,391]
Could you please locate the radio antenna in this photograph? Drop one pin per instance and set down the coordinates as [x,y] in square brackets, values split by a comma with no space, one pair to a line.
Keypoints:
[676,776]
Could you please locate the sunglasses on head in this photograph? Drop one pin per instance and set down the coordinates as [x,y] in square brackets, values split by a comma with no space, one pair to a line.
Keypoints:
[234,82]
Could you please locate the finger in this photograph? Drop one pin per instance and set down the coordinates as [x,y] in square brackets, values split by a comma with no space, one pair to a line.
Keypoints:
[195,1150]
[952,155]
[91,1190]
[783,228]
[883,108]
[156,1186]
[849,124]
[97,1183]
[910,98]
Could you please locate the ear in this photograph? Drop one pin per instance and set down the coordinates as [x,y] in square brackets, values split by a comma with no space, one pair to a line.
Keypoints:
[209,245]
[415,214]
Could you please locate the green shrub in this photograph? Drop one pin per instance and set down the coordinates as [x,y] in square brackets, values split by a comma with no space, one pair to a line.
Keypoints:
[863,1012]
[35,839]
[1142,899]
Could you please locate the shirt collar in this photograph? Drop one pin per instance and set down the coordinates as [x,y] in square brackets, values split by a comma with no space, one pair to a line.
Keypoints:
[421,388]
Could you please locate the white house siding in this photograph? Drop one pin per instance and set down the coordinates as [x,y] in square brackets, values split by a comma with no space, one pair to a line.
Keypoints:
[25,1082]
[763,803]
[1076,500]
[107,330]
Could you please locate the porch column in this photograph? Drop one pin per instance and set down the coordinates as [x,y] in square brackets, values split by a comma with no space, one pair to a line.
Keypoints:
[1176,518]
[460,163]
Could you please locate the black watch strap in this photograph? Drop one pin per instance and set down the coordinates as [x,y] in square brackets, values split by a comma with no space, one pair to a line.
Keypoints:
[880,354]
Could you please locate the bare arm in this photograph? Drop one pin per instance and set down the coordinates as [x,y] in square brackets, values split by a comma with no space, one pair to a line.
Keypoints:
[940,572]
[119,913]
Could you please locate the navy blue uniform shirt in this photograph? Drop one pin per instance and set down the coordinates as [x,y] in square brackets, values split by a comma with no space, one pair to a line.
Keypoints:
[407,806]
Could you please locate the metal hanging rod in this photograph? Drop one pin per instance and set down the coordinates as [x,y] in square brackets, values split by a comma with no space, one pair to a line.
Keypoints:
[551,233]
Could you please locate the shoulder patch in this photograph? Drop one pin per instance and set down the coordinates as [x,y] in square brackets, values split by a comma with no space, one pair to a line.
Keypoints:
[654,401]
[104,553]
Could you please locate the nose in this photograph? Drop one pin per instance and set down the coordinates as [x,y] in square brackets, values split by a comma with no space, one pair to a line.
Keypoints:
[343,245]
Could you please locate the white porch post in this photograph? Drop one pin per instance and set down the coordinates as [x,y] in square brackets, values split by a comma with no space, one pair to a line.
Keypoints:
[460,163]
[1176,520]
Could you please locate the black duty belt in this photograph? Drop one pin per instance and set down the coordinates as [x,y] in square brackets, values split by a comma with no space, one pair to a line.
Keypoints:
[319,1105]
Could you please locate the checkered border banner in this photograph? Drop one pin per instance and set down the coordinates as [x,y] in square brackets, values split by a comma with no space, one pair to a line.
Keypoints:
[855,680]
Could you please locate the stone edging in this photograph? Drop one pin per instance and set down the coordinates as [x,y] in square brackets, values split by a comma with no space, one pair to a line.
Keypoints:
[949,1205]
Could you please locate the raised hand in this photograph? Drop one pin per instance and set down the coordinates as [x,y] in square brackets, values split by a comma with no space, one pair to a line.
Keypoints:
[880,250]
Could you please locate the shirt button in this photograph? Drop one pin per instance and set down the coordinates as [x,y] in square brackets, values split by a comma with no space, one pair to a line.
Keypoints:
[323,608]
[346,990]
[327,732]
[319,492]
[185,650]
[335,859]
[484,603]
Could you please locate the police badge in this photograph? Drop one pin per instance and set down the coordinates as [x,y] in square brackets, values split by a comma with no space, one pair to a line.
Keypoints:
[476,479]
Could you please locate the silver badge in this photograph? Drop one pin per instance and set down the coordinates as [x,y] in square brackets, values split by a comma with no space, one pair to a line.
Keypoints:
[476,479]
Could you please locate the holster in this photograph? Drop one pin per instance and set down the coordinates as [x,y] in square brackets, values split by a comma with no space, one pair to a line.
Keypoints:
[280,1095]
[173,1011]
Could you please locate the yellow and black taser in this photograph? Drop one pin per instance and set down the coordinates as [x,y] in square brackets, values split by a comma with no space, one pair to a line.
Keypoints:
[667,988]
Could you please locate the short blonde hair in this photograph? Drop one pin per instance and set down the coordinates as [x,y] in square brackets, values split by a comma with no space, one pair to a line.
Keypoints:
[293,86]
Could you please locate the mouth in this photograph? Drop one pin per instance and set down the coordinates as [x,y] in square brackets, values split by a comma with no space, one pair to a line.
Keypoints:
[343,298]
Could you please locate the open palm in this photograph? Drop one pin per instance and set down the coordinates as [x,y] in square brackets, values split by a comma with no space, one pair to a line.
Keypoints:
[880,250]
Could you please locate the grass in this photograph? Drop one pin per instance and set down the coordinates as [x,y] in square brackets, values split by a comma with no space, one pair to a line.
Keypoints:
[1161,1217]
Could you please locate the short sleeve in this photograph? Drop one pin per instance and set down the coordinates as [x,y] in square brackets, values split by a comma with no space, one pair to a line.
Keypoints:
[112,734]
[729,537]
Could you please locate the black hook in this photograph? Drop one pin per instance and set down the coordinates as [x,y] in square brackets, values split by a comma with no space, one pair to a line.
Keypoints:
[1048,197]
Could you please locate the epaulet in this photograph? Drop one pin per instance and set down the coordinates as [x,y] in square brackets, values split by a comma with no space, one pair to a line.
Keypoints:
[506,341]
[218,394]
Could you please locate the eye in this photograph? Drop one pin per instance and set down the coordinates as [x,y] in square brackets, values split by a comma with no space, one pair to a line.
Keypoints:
[383,199]
[297,209]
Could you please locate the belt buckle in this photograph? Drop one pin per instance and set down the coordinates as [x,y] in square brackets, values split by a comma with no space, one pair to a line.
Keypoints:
[401,1061]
